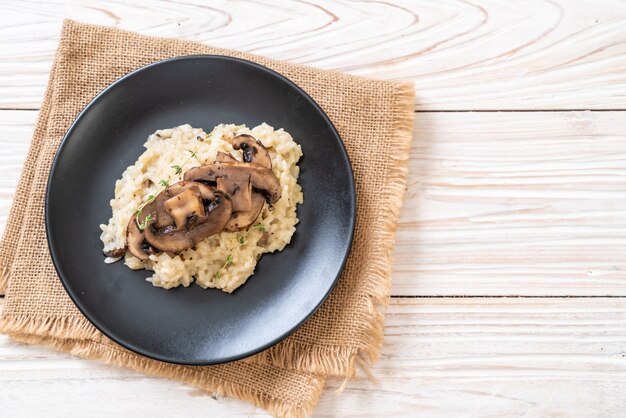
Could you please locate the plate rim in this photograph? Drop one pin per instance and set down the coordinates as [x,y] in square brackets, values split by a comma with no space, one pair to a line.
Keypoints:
[224,359]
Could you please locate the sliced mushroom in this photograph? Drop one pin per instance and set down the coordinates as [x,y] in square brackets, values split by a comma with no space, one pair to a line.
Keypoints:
[253,150]
[135,240]
[241,220]
[174,240]
[161,219]
[264,240]
[116,252]
[262,178]
[185,208]
[157,206]
[206,192]
[236,185]
[223,157]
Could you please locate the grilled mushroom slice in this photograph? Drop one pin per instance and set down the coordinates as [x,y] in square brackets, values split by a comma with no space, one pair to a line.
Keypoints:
[136,242]
[174,240]
[116,252]
[224,157]
[185,208]
[253,150]
[241,220]
[184,213]
[262,178]
[157,206]
[236,185]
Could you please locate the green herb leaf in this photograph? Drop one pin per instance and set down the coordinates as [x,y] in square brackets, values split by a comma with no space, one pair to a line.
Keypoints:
[260,227]
[242,240]
[218,274]
[177,169]
[150,198]
[164,183]
[229,259]
[193,153]
[145,222]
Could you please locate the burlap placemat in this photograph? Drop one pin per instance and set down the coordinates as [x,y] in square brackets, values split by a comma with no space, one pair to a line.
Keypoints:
[374,119]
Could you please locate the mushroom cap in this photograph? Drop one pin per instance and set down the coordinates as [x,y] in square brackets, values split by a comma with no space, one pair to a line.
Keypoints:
[162,234]
[253,150]
[116,252]
[157,207]
[135,240]
[174,240]
[262,178]
[243,219]
[185,208]
[238,187]
[224,157]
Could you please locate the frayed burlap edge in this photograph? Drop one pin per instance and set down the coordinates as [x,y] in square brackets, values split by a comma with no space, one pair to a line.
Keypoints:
[339,360]
[69,327]
[194,376]
[4,279]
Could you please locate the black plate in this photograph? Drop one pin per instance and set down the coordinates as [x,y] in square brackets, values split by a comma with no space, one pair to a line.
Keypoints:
[192,325]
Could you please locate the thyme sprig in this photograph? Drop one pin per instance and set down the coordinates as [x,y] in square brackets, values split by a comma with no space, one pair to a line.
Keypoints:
[145,222]
[229,260]
[242,239]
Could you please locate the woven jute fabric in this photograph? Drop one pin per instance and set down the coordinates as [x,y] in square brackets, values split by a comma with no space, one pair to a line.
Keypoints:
[374,119]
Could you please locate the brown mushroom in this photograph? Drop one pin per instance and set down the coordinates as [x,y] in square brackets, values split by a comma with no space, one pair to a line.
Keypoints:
[185,208]
[116,252]
[253,150]
[157,207]
[164,216]
[174,240]
[241,220]
[237,185]
[224,157]
[264,240]
[262,178]
[136,242]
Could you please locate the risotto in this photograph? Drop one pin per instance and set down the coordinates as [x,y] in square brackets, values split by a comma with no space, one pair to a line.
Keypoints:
[225,259]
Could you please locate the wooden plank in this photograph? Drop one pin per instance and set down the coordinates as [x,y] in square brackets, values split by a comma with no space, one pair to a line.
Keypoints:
[18,127]
[441,358]
[506,203]
[460,54]
[514,204]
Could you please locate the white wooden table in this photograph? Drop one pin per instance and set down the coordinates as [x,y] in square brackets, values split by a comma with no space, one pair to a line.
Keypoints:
[510,265]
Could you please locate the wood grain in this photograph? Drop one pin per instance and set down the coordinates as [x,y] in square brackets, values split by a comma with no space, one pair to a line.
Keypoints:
[524,204]
[18,127]
[515,204]
[538,54]
[442,357]
[505,203]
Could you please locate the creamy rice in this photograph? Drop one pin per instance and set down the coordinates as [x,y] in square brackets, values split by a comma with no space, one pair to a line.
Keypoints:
[224,260]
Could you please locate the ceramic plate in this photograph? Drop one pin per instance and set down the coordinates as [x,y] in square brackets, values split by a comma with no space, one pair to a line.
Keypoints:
[193,325]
